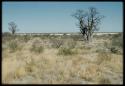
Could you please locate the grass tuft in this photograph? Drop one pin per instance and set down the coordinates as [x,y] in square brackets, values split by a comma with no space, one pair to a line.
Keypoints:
[66,51]
[13,46]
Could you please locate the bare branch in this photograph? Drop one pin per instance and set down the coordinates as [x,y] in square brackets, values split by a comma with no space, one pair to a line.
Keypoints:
[89,20]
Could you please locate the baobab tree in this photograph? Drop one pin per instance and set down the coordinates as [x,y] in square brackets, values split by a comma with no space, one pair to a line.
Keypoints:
[13,27]
[88,22]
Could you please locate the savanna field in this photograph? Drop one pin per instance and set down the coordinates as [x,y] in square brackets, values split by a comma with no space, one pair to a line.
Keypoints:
[62,59]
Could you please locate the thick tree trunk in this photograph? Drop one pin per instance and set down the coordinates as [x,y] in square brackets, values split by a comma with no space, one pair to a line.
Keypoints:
[89,37]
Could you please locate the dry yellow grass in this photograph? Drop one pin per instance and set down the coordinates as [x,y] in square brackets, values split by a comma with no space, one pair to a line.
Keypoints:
[85,67]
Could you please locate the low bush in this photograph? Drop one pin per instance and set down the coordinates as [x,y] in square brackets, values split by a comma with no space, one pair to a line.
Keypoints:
[56,43]
[37,47]
[13,45]
[6,34]
[26,38]
[66,51]
[117,40]
[117,43]
[116,50]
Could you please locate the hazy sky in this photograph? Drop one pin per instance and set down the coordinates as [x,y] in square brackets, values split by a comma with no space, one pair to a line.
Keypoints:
[40,17]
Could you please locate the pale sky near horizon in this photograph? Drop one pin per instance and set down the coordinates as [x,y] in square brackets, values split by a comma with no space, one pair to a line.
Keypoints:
[42,17]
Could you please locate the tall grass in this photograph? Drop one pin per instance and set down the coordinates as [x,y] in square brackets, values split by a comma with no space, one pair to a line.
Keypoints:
[37,47]
[66,51]
[71,44]
[56,43]
[102,80]
[13,45]
[103,56]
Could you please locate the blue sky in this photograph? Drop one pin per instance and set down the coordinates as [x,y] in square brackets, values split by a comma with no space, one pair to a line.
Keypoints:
[42,17]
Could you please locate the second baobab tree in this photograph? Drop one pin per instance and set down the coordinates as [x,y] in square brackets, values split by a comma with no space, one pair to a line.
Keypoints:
[13,27]
[88,22]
